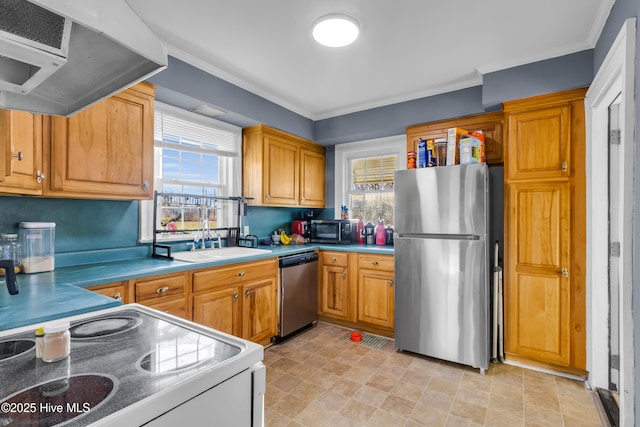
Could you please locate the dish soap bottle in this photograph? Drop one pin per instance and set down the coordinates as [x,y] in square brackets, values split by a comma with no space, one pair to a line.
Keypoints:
[381,234]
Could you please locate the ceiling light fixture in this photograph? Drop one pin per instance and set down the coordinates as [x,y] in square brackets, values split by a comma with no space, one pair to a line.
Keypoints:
[335,30]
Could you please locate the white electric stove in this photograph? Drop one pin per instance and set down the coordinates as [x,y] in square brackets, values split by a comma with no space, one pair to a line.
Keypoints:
[132,366]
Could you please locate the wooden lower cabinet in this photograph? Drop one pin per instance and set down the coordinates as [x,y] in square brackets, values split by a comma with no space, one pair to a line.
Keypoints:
[118,291]
[240,299]
[335,297]
[168,293]
[375,298]
[219,310]
[357,290]
[376,292]
[259,310]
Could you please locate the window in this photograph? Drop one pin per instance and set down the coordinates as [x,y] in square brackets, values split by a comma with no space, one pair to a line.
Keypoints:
[365,174]
[192,155]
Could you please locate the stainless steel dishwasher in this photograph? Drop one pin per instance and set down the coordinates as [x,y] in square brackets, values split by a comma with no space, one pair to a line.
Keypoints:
[298,293]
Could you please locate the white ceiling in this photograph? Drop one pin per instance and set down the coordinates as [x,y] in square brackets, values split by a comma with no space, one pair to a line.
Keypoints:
[407,49]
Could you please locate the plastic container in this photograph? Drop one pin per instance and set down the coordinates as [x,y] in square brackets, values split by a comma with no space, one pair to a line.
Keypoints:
[36,246]
[57,341]
[10,249]
[381,234]
[441,152]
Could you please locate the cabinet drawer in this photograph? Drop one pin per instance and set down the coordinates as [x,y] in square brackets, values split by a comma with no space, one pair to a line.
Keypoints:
[339,259]
[376,262]
[234,274]
[168,287]
[177,307]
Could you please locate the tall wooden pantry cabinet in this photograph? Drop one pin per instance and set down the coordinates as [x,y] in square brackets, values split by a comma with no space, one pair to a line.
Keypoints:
[545,225]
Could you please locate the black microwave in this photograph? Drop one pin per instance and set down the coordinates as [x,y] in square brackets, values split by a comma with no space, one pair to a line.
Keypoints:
[334,231]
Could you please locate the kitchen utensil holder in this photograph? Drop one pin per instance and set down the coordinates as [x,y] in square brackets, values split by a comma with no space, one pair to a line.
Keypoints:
[202,204]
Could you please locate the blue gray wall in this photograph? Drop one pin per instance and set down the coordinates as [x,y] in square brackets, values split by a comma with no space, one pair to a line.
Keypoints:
[111,228]
[621,11]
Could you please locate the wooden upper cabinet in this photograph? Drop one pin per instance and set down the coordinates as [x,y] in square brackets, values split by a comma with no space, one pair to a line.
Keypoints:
[281,177]
[105,151]
[280,169]
[539,143]
[492,124]
[20,153]
[312,178]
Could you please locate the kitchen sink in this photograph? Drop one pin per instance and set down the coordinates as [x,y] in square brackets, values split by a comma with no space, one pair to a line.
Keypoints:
[208,255]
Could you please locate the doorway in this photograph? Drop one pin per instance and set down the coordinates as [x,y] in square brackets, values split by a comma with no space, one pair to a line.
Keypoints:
[610,108]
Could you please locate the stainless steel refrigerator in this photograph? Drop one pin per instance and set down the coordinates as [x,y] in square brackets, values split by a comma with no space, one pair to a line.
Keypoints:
[442,263]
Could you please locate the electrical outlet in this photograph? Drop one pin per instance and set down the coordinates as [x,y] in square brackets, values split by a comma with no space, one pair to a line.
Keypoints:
[246,230]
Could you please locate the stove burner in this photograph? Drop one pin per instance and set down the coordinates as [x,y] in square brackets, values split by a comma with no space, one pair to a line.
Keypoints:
[9,349]
[77,396]
[103,327]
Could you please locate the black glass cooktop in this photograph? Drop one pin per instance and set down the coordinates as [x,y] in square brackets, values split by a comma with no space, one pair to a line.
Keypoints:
[15,347]
[116,360]
[57,401]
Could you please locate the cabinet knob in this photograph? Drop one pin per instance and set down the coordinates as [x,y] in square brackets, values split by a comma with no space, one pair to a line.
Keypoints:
[267,196]
[145,185]
[565,273]
[344,274]
[18,155]
[390,282]
[39,176]
[248,293]
[235,296]
[117,297]
[334,259]
[240,273]
[374,262]
[162,290]
[564,166]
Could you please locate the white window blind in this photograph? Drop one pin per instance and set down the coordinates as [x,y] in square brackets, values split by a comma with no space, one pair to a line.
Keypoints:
[195,155]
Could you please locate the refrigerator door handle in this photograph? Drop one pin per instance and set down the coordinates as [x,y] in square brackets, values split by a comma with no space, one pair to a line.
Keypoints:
[441,236]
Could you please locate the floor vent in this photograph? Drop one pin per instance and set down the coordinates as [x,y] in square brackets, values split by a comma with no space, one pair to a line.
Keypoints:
[374,342]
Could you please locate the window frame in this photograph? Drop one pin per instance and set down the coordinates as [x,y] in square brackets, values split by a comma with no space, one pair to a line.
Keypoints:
[391,145]
[145,211]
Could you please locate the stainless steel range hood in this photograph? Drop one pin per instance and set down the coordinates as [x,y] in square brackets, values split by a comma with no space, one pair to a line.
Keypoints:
[60,56]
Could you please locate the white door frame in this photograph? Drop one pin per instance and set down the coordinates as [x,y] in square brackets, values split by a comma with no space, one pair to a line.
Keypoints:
[616,75]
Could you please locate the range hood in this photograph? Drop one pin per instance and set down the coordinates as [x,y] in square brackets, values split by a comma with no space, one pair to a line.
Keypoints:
[58,57]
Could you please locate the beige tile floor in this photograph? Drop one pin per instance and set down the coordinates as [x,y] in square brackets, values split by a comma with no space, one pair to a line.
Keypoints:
[319,379]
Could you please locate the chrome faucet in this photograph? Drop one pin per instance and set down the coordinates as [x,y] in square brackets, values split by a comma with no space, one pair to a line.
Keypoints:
[10,276]
[217,235]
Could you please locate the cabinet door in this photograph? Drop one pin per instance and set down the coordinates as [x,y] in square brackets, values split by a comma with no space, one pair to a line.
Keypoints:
[105,151]
[117,291]
[375,297]
[21,146]
[281,172]
[259,311]
[312,179]
[335,292]
[537,300]
[219,310]
[539,143]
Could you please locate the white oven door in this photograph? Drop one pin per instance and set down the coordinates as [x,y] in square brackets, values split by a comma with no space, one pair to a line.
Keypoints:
[237,401]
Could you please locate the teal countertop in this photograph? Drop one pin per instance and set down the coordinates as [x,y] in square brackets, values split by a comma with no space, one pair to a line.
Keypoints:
[60,293]
[35,304]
